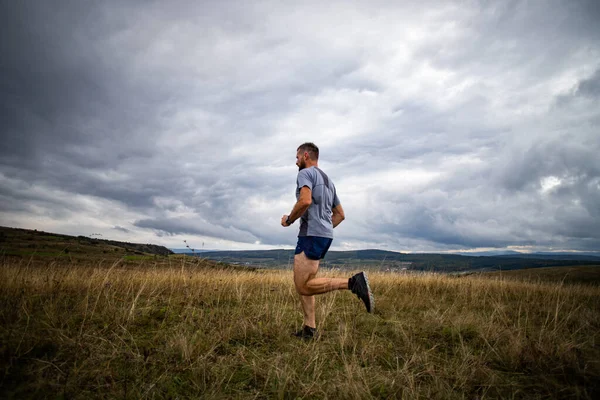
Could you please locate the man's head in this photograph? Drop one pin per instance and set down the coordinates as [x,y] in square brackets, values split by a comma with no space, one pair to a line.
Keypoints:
[307,155]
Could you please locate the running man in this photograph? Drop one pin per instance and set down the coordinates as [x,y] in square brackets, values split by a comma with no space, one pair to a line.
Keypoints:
[319,209]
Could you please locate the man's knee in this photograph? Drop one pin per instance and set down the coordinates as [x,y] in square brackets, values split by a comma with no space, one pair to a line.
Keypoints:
[302,289]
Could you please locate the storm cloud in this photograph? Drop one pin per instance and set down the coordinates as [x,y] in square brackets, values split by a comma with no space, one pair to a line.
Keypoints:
[445,125]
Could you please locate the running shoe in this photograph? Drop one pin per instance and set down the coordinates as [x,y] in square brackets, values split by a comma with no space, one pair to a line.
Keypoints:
[359,285]
[307,333]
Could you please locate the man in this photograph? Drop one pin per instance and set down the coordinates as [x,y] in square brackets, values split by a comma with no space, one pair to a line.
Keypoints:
[319,209]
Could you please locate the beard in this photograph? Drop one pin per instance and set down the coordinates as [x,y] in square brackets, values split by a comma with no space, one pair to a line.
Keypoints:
[302,165]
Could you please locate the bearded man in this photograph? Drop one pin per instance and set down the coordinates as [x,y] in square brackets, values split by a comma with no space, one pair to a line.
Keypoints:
[319,210]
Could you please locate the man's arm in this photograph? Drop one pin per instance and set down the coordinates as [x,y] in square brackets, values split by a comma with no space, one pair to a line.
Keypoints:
[304,201]
[338,215]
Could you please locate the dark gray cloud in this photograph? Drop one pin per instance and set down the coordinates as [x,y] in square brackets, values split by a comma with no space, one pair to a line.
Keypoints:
[121,229]
[444,125]
[589,87]
[198,227]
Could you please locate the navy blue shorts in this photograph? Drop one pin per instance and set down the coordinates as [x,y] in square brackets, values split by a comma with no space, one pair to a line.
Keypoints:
[314,247]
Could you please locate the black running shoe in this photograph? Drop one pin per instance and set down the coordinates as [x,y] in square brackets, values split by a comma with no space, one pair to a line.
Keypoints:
[306,333]
[359,284]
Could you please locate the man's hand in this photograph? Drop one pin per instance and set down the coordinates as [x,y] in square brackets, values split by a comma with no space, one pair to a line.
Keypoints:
[284,221]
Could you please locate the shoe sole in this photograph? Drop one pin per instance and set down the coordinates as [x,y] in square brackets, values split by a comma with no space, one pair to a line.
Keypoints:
[371,298]
[314,337]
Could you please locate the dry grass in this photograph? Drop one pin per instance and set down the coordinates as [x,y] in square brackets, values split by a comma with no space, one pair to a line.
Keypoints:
[183,330]
[580,274]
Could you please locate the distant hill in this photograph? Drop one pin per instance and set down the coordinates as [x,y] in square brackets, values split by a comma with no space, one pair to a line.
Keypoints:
[557,256]
[27,242]
[489,253]
[186,250]
[383,259]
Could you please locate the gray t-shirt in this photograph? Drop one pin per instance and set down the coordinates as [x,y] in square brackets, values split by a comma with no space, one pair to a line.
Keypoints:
[316,221]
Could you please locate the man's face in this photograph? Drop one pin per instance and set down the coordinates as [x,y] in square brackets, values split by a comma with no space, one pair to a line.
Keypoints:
[301,160]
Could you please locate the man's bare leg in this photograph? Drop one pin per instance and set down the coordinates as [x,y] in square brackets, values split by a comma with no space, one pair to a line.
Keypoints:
[307,285]
[308,309]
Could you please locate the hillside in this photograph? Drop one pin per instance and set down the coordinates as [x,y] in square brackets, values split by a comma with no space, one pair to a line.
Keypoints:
[389,260]
[22,243]
[26,243]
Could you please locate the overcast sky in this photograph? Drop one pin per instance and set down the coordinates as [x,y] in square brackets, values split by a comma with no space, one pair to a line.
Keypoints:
[445,126]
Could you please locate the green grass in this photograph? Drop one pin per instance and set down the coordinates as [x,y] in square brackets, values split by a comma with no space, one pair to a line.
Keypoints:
[25,253]
[180,328]
[138,257]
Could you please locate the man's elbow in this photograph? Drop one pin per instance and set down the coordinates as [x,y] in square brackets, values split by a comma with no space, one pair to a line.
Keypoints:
[305,203]
[303,207]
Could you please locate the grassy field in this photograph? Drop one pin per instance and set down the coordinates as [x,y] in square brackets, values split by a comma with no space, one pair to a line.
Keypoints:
[179,327]
[585,275]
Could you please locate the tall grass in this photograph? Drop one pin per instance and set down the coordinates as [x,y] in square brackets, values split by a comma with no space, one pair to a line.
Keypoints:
[181,329]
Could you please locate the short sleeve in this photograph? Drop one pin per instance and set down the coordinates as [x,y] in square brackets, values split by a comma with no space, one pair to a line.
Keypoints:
[304,179]
[336,200]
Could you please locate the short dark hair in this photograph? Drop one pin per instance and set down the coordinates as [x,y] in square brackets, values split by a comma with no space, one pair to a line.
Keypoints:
[311,149]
